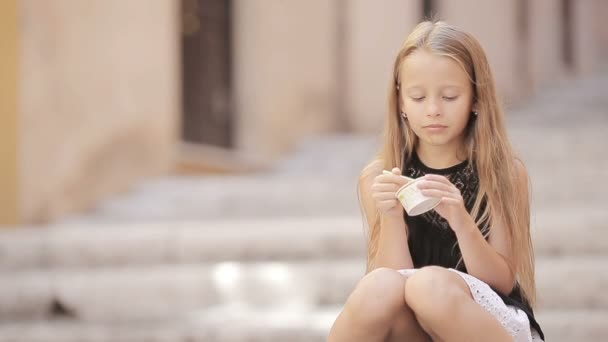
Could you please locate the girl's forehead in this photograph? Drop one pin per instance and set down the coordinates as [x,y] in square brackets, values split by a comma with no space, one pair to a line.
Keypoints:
[424,68]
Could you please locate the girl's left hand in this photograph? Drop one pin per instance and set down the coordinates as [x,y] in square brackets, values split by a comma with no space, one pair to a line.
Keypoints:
[451,206]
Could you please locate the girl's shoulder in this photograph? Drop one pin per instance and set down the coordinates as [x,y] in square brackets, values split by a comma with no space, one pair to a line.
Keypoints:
[372,169]
[521,172]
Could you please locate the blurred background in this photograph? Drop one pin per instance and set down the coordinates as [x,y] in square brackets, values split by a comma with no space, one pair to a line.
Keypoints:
[186,170]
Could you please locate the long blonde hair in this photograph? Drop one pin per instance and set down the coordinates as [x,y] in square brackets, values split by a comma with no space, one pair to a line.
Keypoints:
[486,142]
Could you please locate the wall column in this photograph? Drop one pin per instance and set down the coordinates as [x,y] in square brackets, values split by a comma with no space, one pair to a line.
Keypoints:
[9,182]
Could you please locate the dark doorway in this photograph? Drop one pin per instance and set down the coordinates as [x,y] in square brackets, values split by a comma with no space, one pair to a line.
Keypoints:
[567,34]
[429,10]
[206,77]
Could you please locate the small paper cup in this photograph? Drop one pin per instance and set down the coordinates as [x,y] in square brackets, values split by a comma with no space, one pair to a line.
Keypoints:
[412,199]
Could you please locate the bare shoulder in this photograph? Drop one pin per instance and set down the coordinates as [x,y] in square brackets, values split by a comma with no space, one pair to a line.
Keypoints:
[370,171]
[519,165]
[522,179]
[520,170]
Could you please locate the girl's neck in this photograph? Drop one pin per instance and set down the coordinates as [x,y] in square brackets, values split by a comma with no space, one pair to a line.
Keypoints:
[440,157]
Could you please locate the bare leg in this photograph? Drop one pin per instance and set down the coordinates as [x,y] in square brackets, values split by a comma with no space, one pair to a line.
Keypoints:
[376,311]
[445,308]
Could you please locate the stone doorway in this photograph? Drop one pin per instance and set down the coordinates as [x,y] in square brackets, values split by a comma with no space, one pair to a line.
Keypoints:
[206,73]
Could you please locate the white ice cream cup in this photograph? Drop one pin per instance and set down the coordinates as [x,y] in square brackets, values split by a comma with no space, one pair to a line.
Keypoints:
[412,199]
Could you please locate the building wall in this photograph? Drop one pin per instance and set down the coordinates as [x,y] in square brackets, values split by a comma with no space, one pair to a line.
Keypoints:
[284,73]
[545,43]
[306,68]
[98,97]
[587,50]
[9,170]
[375,35]
[601,27]
[97,93]
[494,24]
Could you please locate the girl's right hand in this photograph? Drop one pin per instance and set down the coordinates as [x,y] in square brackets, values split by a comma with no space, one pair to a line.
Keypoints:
[384,191]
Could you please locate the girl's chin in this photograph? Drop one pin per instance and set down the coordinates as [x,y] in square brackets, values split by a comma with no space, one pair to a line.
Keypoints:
[435,141]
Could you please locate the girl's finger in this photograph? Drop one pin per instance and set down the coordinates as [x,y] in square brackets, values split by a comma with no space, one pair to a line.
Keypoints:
[379,187]
[385,205]
[437,193]
[383,196]
[394,179]
[437,178]
[431,184]
[449,200]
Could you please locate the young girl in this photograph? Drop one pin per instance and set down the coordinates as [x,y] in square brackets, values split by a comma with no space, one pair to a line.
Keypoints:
[463,271]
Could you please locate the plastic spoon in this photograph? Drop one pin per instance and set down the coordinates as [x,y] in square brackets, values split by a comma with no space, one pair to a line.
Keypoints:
[386,172]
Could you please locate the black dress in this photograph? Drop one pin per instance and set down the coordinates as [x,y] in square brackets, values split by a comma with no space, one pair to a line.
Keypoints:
[431,240]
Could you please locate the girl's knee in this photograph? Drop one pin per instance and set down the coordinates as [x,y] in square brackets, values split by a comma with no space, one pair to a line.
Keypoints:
[378,297]
[434,291]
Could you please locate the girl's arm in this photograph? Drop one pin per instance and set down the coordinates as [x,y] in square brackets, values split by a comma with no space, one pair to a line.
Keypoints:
[393,250]
[492,261]
[489,262]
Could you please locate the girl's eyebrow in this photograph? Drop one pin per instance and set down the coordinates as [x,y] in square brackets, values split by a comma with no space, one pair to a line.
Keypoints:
[445,86]
[414,87]
[451,86]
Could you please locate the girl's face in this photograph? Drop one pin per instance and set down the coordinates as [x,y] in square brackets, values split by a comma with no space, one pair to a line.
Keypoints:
[436,95]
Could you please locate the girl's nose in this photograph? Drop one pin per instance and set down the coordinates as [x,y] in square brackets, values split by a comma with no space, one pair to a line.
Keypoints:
[432,109]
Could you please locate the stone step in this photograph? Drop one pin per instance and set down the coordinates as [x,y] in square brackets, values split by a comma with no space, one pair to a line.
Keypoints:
[330,191]
[561,147]
[103,245]
[569,232]
[313,197]
[162,292]
[549,144]
[199,198]
[574,325]
[259,325]
[158,292]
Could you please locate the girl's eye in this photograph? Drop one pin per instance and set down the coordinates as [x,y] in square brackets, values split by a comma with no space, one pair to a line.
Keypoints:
[450,98]
[418,99]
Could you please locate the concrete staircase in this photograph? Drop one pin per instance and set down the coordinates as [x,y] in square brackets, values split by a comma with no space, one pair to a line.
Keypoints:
[263,279]
[273,256]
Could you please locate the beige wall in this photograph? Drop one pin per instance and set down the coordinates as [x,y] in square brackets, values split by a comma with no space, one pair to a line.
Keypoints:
[289,74]
[99,88]
[493,23]
[99,99]
[374,36]
[284,73]
[601,27]
[586,36]
[301,67]
[9,175]
[545,43]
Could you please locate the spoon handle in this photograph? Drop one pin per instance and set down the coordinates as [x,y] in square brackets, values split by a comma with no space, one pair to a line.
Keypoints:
[386,172]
